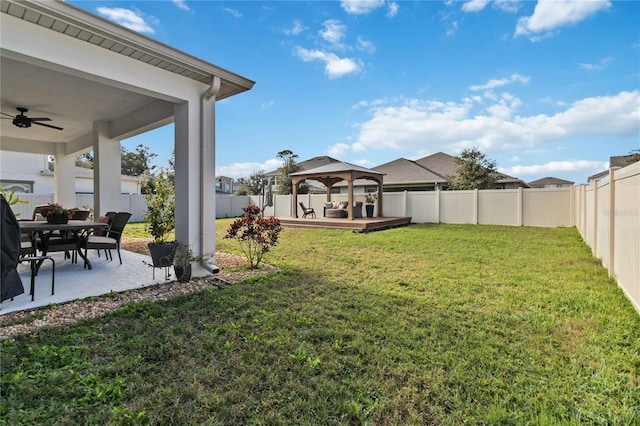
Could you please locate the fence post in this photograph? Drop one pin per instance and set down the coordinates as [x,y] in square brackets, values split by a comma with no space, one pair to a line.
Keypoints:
[612,220]
[476,199]
[438,192]
[595,218]
[519,206]
[404,203]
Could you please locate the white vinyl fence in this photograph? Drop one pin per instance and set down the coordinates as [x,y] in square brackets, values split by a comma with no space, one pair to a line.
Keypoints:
[607,216]
[606,213]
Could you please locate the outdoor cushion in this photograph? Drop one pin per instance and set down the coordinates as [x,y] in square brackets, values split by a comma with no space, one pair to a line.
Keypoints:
[100,232]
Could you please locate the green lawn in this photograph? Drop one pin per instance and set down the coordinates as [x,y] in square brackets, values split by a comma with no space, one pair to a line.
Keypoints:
[427,324]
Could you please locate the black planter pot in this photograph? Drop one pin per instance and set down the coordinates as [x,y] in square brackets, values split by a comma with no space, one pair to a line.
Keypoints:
[58,218]
[183,273]
[369,208]
[162,254]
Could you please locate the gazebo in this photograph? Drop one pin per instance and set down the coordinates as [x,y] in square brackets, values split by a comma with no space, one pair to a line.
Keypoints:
[333,173]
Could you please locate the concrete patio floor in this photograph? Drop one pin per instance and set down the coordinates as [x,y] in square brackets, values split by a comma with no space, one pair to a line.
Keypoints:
[73,282]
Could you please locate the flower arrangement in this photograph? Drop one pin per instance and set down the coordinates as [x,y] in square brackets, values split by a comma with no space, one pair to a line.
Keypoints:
[371,197]
[53,209]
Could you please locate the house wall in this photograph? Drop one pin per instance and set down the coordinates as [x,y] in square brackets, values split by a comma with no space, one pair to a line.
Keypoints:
[19,166]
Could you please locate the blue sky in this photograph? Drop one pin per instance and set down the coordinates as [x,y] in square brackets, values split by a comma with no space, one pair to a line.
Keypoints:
[547,88]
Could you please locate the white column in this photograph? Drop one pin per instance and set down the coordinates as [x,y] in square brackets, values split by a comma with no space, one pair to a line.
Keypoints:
[187,181]
[208,176]
[64,180]
[106,171]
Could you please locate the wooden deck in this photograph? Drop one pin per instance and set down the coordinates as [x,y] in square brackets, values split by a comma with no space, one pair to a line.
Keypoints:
[357,225]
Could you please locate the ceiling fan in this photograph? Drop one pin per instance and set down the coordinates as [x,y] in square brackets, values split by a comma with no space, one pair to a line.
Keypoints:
[23,121]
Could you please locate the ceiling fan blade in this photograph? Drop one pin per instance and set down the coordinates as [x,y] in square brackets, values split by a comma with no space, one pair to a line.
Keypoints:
[40,119]
[8,115]
[49,125]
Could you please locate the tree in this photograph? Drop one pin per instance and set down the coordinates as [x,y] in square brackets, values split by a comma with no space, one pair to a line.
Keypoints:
[137,162]
[85,160]
[474,171]
[289,166]
[253,185]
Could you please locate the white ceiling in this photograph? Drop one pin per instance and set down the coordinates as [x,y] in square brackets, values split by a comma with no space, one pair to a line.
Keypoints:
[71,102]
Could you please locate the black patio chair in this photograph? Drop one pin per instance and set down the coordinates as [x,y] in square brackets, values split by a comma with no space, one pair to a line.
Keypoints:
[110,241]
[307,211]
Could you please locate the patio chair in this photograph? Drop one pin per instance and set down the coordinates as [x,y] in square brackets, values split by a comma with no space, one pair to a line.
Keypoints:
[28,254]
[110,241]
[307,211]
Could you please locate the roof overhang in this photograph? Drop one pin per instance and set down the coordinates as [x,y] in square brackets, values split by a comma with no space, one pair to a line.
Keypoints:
[55,61]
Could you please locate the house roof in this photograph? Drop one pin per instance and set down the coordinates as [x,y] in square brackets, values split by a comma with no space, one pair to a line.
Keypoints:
[439,163]
[550,181]
[620,161]
[402,171]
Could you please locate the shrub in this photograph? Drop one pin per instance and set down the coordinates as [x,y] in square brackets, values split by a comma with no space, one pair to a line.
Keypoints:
[160,214]
[256,234]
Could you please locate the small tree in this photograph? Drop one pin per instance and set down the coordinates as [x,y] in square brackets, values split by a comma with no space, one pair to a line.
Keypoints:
[160,214]
[289,166]
[256,234]
[474,171]
[253,185]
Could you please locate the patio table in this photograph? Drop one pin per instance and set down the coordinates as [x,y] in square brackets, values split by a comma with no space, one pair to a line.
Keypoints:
[44,230]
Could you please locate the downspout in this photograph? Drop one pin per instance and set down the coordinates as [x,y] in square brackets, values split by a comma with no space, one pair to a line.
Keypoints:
[211,92]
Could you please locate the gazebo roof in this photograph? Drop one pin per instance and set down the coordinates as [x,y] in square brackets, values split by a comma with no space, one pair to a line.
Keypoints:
[337,169]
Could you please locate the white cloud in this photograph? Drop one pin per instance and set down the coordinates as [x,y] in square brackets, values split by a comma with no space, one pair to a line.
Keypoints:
[419,125]
[360,7]
[338,150]
[601,64]
[268,104]
[233,12]
[181,4]
[551,15]
[555,167]
[238,170]
[474,5]
[365,45]
[297,28]
[335,66]
[127,18]
[333,31]
[392,9]
[493,83]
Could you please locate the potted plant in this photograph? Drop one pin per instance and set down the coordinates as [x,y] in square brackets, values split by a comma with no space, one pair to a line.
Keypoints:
[370,200]
[55,213]
[160,218]
[182,259]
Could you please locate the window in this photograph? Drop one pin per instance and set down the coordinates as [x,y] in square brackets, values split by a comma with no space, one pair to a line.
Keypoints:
[21,186]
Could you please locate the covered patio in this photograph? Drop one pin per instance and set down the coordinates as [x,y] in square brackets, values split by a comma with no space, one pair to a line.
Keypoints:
[99,83]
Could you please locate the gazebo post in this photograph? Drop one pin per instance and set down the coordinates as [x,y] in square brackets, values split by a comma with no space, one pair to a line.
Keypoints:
[350,198]
[294,198]
[380,214]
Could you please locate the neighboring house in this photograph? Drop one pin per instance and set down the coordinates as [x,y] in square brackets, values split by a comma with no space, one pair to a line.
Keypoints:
[429,173]
[33,173]
[426,174]
[551,182]
[226,185]
[619,161]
